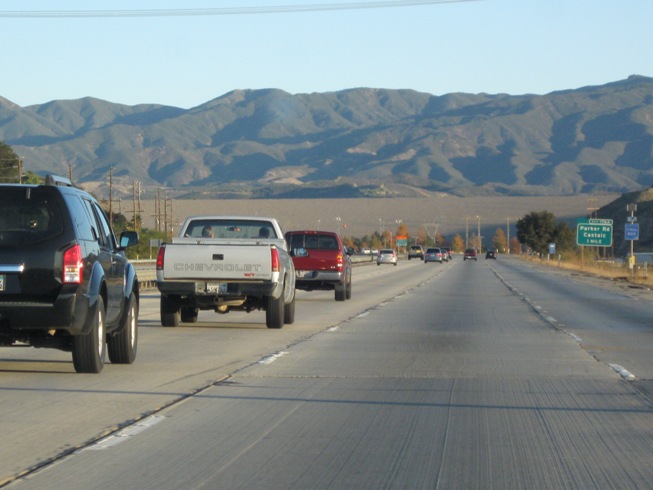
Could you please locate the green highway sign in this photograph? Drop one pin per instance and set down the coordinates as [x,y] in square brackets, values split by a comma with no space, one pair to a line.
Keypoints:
[594,234]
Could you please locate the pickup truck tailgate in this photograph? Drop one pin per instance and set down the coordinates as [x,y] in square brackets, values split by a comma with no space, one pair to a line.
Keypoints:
[186,259]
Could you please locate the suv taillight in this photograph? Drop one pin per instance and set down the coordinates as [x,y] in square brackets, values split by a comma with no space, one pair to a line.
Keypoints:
[275,259]
[72,265]
[159,258]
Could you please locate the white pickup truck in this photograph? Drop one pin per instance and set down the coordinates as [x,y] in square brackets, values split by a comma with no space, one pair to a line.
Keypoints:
[224,263]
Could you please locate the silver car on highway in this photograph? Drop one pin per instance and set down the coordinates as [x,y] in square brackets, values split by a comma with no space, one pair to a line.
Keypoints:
[386,256]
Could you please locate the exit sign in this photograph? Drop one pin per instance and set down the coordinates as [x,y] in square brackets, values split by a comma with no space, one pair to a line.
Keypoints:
[594,234]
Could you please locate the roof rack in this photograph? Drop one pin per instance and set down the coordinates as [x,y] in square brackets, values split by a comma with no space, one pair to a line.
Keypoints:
[57,180]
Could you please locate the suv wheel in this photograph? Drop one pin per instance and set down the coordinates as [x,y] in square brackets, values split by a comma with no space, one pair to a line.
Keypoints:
[122,345]
[89,350]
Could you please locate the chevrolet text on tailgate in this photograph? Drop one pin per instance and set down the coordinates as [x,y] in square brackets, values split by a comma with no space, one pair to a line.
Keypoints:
[224,263]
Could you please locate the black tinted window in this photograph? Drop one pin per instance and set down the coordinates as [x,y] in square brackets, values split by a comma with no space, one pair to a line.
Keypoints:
[79,213]
[106,234]
[28,215]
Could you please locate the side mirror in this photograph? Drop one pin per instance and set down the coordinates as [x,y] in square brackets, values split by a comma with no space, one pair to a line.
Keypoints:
[128,239]
[300,252]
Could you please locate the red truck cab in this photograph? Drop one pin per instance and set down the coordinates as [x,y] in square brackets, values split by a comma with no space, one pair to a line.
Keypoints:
[321,262]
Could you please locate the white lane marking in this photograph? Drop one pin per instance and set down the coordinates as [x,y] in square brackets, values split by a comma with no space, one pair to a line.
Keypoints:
[625,374]
[125,434]
[272,358]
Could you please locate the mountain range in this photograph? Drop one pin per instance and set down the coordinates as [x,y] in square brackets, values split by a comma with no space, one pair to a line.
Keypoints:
[351,143]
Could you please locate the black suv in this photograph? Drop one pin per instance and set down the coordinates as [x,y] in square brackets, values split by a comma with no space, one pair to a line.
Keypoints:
[65,282]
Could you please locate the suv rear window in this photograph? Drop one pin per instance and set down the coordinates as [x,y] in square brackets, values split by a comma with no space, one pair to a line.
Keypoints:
[313,241]
[28,215]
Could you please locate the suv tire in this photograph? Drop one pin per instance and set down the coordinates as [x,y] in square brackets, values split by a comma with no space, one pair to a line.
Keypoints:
[89,351]
[122,346]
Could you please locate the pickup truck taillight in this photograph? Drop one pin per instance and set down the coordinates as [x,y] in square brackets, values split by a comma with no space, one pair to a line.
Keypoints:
[159,259]
[275,259]
[339,262]
[72,265]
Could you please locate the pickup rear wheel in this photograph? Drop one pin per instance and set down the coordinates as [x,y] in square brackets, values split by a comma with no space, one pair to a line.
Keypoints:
[122,345]
[169,312]
[341,291]
[189,314]
[289,312]
[90,350]
[274,312]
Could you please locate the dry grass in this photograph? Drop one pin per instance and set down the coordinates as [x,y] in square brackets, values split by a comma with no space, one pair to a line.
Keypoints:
[612,270]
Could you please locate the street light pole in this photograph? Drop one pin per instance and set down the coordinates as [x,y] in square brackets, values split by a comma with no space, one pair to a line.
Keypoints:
[480,242]
[382,237]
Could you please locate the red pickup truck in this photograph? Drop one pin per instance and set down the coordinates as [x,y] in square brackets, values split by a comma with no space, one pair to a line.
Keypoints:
[321,262]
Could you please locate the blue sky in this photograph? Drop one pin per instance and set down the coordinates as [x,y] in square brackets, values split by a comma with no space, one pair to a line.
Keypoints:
[491,46]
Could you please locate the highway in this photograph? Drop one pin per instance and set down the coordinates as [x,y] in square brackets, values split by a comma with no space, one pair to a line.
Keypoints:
[488,374]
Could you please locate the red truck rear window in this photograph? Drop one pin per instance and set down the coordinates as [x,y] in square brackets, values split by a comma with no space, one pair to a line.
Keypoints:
[314,241]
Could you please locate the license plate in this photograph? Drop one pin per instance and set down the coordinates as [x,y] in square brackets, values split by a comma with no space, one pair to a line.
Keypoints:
[3,280]
[216,287]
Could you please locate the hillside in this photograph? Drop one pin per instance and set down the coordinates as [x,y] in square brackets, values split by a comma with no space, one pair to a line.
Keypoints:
[617,211]
[353,143]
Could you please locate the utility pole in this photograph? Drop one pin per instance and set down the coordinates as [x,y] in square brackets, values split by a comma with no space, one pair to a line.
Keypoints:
[508,234]
[136,205]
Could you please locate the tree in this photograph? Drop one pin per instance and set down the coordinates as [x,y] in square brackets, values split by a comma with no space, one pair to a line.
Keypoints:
[538,229]
[457,244]
[515,246]
[565,237]
[440,240]
[499,241]
[9,164]
[422,235]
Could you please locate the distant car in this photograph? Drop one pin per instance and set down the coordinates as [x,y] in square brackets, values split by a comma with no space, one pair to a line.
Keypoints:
[386,256]
[447,252]
[491,254]
[470,254]
[416,252]
[433,255]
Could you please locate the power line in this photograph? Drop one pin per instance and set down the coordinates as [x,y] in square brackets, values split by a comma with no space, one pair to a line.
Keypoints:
[274,9]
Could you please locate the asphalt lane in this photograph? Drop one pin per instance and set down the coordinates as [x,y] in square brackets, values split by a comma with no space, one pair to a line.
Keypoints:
[611,321]
[458,382]
[49,411]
